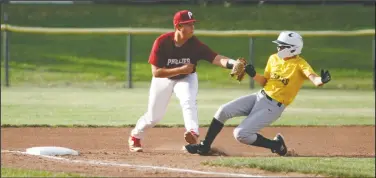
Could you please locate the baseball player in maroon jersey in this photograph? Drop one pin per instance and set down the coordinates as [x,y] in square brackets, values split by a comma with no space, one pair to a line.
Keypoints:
[173,60]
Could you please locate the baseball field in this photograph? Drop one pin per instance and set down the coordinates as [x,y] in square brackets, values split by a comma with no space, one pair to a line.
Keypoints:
[67,90]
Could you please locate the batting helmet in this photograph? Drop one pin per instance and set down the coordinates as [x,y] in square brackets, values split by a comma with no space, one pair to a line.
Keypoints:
[289,44]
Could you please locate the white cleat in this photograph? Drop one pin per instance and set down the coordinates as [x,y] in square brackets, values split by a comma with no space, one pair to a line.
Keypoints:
[134,144]
[191,137]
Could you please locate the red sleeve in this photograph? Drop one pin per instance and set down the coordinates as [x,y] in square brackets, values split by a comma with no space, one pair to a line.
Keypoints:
[155,54]
[205,52]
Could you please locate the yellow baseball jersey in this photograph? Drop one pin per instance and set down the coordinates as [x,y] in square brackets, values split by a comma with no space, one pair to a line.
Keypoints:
[285,77]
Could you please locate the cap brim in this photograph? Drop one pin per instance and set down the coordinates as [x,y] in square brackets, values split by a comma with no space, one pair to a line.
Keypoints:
[188,21]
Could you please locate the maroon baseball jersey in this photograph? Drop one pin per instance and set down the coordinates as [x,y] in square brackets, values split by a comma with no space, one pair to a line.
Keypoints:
[165,54]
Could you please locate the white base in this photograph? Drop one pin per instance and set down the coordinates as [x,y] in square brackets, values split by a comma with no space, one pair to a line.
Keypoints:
[51,151]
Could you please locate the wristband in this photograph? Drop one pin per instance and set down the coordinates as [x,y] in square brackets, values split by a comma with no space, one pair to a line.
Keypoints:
[230,63]
[318,81]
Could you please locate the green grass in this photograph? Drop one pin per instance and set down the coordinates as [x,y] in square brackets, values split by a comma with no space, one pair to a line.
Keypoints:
[334,167]
[119,107]
[12,172]
[309,17]
[45,59]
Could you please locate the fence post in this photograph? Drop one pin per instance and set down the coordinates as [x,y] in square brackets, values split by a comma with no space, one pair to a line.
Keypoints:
[251,61]
[129,61]
[6,51]
[1,37]
[374,63]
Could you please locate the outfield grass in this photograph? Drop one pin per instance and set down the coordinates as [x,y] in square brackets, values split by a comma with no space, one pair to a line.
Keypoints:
[12,172]
[118,107]
[318,17]
[334,167]
[44,59]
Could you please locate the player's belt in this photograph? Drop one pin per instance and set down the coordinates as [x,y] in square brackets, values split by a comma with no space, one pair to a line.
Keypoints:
[279,104]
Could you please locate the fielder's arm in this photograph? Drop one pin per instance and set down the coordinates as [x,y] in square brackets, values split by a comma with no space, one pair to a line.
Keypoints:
[223,61]
[167,73]
[228,63]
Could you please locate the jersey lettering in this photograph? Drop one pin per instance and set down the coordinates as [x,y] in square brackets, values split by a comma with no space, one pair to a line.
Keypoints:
[275,76]
[285,81]
[178,61]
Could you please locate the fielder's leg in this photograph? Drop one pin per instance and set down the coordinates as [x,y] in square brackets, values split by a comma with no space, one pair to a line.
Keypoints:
[263,114]
[239,107]
[159,95]
[186,91]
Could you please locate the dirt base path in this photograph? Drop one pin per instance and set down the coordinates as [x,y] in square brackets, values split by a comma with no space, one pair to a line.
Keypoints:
[162,149]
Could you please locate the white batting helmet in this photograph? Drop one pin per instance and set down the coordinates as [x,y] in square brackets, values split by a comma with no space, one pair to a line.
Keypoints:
[289,44]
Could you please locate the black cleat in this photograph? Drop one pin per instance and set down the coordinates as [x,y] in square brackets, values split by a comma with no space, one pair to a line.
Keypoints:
[282,150]
[192,148]
[200,149]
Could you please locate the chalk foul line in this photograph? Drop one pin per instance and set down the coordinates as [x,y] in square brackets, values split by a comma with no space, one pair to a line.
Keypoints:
[146,167]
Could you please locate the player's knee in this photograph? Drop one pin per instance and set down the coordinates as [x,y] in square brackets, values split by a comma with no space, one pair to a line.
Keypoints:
[240,135]
[244,136]
[222,114]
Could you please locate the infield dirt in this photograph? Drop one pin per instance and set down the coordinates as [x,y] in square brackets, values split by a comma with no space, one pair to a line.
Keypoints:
[162,147]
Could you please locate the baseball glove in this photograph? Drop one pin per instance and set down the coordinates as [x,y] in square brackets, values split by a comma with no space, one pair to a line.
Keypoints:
[239,69]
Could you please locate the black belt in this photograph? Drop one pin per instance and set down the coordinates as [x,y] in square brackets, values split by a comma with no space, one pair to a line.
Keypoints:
[279,104]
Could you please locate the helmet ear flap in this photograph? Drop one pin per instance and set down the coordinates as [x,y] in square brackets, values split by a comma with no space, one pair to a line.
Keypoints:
[297,50]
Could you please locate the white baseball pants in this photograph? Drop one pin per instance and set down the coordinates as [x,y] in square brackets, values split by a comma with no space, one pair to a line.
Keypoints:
[160,93]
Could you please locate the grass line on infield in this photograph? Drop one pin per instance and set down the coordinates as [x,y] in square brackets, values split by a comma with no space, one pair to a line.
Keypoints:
[16,172]
[335,167]
[157,126]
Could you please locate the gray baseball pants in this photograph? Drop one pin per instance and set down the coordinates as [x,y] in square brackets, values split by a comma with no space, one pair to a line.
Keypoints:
[260,112]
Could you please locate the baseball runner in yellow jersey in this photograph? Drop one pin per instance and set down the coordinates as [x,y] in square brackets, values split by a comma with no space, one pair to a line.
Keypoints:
[283,77]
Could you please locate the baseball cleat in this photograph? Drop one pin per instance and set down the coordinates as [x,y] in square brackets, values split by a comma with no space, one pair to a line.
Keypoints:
[191,148]
[282,150]
[190,137]
[203,150]
[200,149]
[134,144]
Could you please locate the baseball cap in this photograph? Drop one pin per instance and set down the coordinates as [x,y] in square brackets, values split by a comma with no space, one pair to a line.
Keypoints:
[183,17]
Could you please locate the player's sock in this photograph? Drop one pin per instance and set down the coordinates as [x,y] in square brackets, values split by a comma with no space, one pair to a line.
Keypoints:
[214,128]
[261,141]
